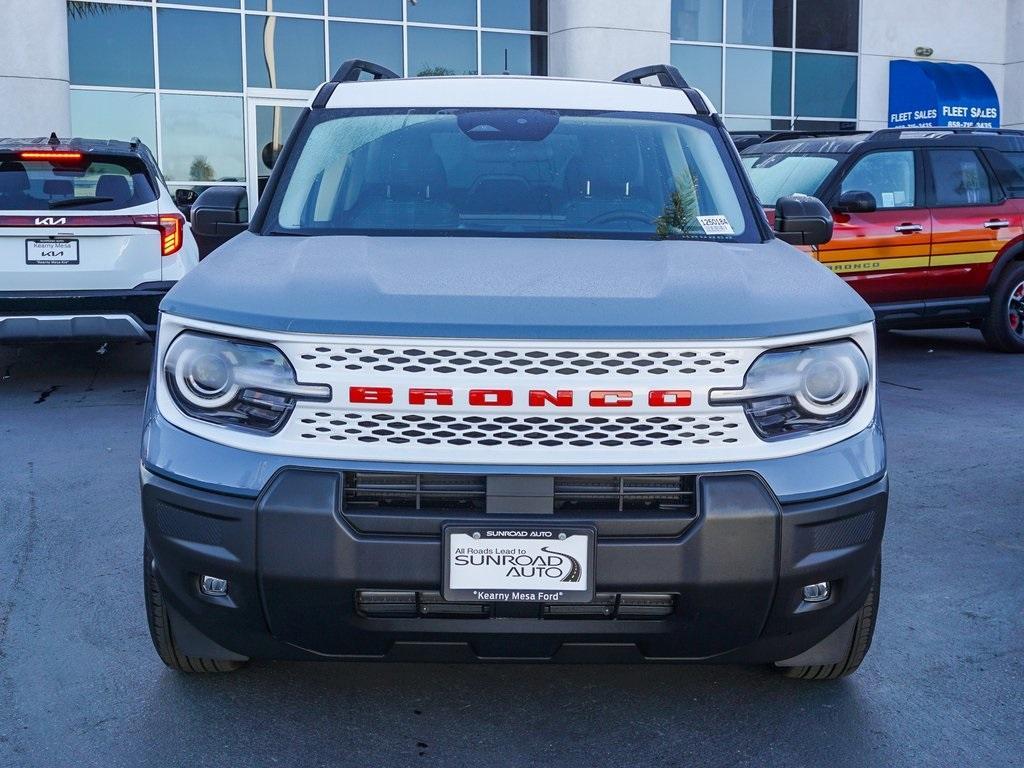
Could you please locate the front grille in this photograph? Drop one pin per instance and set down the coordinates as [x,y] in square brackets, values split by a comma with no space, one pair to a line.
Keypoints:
[395,491]
[625,493]
[510,362]
[518,431]
[406,490]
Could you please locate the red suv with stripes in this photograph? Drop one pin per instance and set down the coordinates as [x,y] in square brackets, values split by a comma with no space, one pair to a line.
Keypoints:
[929,224]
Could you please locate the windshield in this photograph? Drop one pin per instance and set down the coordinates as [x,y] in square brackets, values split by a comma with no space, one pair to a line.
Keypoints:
[80,182]
[510,172]
[777,175]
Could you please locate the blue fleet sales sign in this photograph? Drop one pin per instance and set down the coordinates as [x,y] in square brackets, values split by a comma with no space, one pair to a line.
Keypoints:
[926,94]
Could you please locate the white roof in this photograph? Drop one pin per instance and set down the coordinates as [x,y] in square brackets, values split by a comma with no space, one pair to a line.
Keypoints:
[512,92]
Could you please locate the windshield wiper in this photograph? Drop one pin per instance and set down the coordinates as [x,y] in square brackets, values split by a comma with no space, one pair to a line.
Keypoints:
[74,202]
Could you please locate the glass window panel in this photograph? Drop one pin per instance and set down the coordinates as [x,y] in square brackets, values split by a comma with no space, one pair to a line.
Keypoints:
[206,3]
[202,138]
[960,178]
[200,50]
[748,123]
[701,65]
[775,175]
[379,43]
[826,85]
[441,52]
[281,52]
[516,54]
[114,115]
[824,125]
[97,29]
[443,12]
[760,22]
[699,20]
[757,82]
[828,25]
[889,176]
[514,14]
[287,6]
[390,10]
[273,126]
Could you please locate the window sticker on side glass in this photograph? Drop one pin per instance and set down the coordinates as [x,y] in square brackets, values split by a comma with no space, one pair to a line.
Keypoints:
[715,225]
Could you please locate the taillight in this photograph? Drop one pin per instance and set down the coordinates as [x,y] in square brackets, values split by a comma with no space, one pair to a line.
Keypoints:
[171,227]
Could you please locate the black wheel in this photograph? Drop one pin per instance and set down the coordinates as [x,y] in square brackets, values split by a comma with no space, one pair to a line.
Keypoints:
[160,629]
[1004,327]
[862,634]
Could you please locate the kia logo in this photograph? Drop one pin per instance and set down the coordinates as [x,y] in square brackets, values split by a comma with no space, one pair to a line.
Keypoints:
[51,221]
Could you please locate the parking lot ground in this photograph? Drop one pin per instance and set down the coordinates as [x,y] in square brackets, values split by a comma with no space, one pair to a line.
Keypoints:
[81,686]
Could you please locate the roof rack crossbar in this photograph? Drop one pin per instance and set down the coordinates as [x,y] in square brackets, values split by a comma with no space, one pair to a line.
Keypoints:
[353,69]
[669,77]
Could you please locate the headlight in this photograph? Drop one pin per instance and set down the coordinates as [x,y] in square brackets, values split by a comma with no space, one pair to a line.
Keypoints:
[238,383]
[807,389]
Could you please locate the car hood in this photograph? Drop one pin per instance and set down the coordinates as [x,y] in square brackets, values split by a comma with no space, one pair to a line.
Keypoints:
[508,288]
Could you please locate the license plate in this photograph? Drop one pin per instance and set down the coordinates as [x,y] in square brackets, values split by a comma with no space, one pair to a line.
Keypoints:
[51,251]
[518,564]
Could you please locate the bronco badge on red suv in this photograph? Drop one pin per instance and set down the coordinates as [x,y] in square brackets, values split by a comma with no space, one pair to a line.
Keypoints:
[928,222]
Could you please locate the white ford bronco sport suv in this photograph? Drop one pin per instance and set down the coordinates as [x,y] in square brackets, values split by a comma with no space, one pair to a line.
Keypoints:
[90,240]
[513,368]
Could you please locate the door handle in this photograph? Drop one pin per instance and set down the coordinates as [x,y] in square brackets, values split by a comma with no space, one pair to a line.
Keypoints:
[909,229]
[996,224]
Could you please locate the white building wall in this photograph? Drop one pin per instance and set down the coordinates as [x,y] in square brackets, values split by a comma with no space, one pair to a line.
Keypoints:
[977,32]
[34,94]
[601,39]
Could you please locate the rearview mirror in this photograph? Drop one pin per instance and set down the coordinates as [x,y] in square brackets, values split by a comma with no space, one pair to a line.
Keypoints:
[802,220]
[856,201]
[218,214]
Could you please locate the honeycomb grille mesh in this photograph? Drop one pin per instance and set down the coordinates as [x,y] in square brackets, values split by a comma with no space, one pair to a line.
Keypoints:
[511,362]
[518,431]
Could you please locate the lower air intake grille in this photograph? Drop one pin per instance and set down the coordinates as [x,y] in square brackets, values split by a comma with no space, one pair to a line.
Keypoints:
[402,490]
[624,493]
[672,494]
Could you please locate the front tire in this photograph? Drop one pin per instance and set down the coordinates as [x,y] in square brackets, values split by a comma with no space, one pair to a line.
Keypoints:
[1003,328]
[160,629]
[863,631]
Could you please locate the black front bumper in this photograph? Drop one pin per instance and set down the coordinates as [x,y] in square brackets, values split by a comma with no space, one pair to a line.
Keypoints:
[118,314]
[303,577]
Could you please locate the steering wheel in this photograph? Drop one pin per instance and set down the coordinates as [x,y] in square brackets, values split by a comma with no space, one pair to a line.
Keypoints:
[609,216]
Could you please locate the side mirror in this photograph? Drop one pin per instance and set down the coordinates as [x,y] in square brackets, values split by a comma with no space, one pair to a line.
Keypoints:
[218,214]
[183,199]
[857,202]
[802,220]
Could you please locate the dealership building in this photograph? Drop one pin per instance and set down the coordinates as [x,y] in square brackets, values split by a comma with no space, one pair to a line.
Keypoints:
[210,84]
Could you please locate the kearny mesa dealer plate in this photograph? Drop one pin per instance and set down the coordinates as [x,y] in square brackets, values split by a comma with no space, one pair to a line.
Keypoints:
[518,564]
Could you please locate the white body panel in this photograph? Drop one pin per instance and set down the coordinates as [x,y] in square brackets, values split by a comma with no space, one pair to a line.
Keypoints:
[514,93]
[519,434]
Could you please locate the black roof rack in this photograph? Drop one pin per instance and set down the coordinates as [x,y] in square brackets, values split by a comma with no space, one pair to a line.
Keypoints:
[353,69]
[669,77]
[349,72]
[896,133]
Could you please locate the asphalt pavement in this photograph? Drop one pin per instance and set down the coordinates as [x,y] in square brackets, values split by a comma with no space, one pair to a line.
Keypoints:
[81,686]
